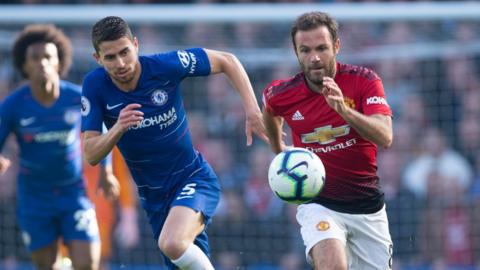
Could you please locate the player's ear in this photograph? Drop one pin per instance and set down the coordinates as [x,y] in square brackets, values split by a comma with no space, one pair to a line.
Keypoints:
[135,43]
[336,45]
[96,56]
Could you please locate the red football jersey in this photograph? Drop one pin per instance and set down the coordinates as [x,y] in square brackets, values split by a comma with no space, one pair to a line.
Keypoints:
[350,160]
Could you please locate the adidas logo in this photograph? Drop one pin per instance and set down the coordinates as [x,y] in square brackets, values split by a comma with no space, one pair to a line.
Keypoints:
[297,116]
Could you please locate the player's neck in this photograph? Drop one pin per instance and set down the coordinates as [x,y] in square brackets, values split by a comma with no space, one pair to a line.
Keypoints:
[315,87]
[46,93]
[132,84]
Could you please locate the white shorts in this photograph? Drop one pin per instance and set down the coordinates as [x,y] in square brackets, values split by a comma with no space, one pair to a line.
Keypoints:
[365,236]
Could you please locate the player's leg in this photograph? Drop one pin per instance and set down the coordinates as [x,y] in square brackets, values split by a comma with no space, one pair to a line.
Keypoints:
[180,229]
[182,238]
[37,218]
[105,227]
[370,246]
[182,226]
[79,228]
[47,258]
[324,237]
[329,254]
[85,255]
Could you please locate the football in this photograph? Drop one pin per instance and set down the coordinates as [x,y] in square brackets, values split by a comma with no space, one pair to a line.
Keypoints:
[296,175]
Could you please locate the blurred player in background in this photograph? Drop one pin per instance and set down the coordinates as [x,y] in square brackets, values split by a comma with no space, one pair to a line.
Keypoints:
[116,219]
[339,112]
[138,98]
[44,114]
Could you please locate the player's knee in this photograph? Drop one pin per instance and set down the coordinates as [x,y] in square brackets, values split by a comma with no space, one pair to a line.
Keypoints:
[86,263]
[330,264]
[46,262]
[172,247]
[47,265]
[329,254]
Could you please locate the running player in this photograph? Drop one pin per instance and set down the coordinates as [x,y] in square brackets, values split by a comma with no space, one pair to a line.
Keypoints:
[44,114]
[339,112]
[138,98]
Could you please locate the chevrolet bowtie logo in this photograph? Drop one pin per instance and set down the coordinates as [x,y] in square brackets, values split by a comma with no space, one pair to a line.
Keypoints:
[326,134]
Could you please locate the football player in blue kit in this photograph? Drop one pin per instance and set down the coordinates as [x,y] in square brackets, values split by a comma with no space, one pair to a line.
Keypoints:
[44,115]
[138,98]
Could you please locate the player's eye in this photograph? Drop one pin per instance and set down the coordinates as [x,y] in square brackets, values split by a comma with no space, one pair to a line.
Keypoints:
[124,52]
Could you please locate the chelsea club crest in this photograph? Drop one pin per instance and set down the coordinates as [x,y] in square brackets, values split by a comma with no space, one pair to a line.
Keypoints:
[159,97]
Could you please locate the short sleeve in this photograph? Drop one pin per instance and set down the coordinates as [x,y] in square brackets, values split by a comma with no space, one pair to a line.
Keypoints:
[374,100]
[184,63]
[266,100]
[92,116]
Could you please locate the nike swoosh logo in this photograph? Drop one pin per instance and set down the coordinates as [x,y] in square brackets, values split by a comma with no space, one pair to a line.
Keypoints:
[113,106]
[183,197]
[26,121]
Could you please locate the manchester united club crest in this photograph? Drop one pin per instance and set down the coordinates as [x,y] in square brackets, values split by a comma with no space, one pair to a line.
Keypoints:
[323,226]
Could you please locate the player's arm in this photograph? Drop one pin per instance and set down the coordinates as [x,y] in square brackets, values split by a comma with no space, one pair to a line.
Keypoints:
[4,164]
[127,227]
[223,62]
[108,183]
[96,146]
[274,125]
[376,128]
[5,129]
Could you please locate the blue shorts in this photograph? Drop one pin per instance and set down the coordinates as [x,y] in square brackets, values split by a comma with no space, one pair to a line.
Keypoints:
[201,193]
[49,213]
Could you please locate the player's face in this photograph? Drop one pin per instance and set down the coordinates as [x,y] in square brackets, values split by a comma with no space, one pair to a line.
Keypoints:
[316,53]
[41,62]
[120,59]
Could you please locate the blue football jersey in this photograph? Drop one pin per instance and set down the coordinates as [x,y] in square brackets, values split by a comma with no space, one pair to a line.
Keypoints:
[48,137]
[159,150]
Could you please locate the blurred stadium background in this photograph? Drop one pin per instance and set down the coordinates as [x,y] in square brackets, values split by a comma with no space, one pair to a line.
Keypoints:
[428,55]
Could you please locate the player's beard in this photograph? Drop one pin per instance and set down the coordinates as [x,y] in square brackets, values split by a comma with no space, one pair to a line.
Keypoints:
[316,78]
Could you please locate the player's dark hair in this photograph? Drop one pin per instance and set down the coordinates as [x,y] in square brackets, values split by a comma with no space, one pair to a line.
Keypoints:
[312,20]
[42,33]
[108,29]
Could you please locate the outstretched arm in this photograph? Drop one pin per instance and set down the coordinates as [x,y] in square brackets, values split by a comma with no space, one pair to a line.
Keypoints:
[223,62]
[96,145]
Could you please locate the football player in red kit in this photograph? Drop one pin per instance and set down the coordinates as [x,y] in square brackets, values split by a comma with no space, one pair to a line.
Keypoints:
[339,112]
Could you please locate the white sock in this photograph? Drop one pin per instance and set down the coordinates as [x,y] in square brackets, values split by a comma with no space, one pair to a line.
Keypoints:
[193,259]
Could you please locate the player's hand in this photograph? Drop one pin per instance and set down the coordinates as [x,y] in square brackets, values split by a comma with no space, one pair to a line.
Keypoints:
[282,147]
[130,116]
[254,124]
[333,95]
[4,164]
[127,229]
[109,186]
